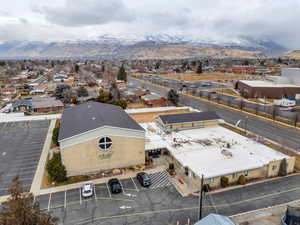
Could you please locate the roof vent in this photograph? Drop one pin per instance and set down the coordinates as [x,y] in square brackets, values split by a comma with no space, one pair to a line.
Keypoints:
[93,118]
[227,153]
[89,106]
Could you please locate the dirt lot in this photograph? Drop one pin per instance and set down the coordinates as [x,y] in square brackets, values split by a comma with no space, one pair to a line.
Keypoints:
[150,117]
[137,106]
[207,76]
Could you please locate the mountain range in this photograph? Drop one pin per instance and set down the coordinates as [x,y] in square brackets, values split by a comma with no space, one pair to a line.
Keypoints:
[161,46]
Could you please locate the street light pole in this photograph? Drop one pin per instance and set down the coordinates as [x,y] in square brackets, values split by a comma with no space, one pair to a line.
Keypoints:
[201,198]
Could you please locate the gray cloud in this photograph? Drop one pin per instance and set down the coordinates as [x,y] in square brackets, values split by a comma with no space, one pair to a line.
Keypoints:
[220,20]
[88,12]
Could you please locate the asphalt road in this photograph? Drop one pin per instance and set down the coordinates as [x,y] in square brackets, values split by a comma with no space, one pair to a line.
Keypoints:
[284,136]
[162,204]
[21,145]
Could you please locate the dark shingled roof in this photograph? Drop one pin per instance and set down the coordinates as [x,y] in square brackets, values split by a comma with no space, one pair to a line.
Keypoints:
[92,115]
[188,117]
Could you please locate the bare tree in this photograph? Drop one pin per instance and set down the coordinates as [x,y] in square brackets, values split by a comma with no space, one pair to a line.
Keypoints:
[21,209]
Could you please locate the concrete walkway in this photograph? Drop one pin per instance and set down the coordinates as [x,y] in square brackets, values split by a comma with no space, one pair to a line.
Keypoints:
[39,173]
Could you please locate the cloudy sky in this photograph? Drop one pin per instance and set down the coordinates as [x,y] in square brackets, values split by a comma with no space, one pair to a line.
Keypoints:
[221,20]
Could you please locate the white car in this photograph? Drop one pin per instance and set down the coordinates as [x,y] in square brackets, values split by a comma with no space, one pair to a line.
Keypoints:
[87,189]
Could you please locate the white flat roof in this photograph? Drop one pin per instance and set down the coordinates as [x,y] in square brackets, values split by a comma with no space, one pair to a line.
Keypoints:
[265,83]
[201,150]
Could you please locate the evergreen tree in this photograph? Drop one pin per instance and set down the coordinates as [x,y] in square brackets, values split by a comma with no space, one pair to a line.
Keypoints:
[56,169]
[173,96]
[199,68]
[82,92]
[122,75]
[76,68]
[283,168]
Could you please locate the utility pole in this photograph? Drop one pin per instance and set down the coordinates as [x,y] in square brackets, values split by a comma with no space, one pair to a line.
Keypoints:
[201,198]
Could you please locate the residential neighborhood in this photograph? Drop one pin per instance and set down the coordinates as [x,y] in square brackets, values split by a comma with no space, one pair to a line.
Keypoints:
[149,112]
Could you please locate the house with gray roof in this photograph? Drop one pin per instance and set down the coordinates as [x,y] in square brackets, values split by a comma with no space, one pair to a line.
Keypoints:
[188,120]
[95,137]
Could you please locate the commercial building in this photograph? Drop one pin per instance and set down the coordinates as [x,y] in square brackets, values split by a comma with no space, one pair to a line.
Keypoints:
[275,87]
[267,89]
[213,151]
[95,137]
[244,69]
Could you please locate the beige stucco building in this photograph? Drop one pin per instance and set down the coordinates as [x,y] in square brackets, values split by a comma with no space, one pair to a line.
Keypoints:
[96,137]
[196,145]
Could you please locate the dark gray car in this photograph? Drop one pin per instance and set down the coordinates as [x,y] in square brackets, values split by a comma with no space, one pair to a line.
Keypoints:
[144,179]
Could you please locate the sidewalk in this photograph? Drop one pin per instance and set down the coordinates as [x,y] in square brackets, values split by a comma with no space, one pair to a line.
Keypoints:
[39,173]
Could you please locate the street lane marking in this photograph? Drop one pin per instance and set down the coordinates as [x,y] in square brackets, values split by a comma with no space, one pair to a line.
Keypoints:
[65,204]
[95,192]
[108,190]
[49,201]
[83,221]
[122,187]
[134,184]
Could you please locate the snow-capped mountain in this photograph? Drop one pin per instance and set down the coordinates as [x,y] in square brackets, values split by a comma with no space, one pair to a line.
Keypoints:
[134,46]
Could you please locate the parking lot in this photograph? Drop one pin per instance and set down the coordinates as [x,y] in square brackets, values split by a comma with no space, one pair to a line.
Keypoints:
[130,189]
[21,145]
[181,85]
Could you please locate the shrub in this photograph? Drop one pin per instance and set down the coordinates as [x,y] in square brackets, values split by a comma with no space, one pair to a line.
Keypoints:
[224,182]
[242,180]
[283,168]
[206,188]
[122,103]
[55,136]
[171,166]
[56,169]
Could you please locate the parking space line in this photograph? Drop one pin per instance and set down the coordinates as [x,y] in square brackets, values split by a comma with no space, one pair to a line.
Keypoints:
[49,201]
[108,190]
[122,187]
[95,192]
[134,184]
[65,204]
[80,200]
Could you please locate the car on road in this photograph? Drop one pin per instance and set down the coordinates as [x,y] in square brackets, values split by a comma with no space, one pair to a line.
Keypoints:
[87,189]
[115,186]
[144,179]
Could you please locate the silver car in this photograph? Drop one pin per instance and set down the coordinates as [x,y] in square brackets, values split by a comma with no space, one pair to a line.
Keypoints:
[87,189]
